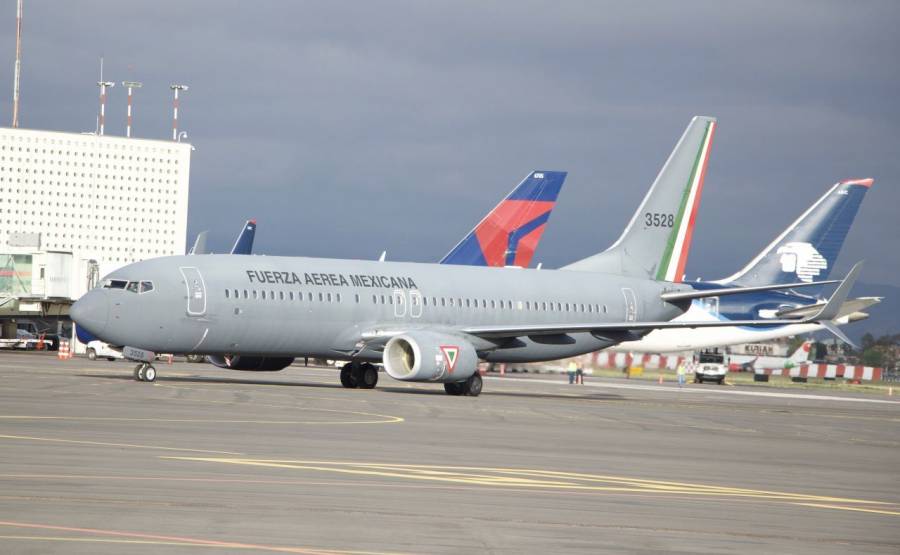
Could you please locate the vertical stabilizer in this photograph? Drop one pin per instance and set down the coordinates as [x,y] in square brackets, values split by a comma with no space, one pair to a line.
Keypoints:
[244,242]
[656,242]
[808,248]
[510,233]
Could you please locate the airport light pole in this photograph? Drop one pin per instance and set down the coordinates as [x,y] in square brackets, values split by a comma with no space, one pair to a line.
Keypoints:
[130,85]
[15,121]
[176,88]
[103,86]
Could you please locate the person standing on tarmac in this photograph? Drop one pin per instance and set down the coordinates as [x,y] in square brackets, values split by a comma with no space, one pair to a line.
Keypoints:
[682,372]
[573,368]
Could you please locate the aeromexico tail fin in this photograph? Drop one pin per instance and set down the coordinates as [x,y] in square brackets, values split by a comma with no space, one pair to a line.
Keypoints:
[244,242]
[510,233]
[656,242]
[808,248]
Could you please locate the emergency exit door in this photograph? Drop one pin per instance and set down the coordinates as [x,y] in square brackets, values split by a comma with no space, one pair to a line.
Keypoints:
[630,305]
[196,291]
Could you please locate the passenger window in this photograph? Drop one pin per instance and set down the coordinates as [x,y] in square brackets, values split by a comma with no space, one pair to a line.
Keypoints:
[309,297]
[443,301]
[246,294]
[255,294]
[328,296]
[132,286]
[271,295]
[291,295]
[357,297]
[281,295]
[338,297]
[604,309]
[236,294]
[147,286]
[321,297]
[227,294]
[374,299]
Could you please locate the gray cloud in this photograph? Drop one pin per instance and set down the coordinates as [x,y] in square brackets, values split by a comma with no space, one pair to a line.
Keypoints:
[347,128]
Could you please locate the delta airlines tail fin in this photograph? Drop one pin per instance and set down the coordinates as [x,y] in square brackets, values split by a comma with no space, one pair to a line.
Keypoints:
[244,242]
[807,250]
[509,234]
[657,240]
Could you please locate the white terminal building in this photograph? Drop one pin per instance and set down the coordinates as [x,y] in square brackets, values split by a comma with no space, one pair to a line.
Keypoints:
[74,207]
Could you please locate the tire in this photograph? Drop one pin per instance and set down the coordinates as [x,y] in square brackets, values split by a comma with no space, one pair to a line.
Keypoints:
[149,374]
[454,388]
[111,359]
[347,379]
[139,372]
[721,381]
[368,376]
[91,354]
[472,386]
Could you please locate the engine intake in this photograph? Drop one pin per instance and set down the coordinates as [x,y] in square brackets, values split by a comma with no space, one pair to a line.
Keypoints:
[424,356]
[251,364]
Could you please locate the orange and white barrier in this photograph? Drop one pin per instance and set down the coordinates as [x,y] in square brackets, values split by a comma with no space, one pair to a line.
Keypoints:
[830,371]
[65,350]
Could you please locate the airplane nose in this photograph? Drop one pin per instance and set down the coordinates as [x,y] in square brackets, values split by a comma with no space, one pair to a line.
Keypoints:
[91,311]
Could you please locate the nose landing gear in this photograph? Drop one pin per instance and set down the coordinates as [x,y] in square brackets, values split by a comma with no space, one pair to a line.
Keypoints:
[144,372]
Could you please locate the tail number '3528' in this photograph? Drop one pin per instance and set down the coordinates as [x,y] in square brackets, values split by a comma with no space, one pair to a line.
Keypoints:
[658,219]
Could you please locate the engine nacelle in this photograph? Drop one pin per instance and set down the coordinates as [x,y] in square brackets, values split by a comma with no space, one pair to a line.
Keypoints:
[252,364]
[425,356]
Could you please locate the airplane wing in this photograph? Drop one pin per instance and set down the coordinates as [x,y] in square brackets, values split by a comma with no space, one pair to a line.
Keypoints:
[675,296]
[829,311]
[849,307]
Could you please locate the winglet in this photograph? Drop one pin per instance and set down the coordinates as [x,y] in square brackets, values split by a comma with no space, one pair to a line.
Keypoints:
[199,244]
[832,308]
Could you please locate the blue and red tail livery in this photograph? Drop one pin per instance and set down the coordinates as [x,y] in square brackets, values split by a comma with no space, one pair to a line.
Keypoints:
[509,234]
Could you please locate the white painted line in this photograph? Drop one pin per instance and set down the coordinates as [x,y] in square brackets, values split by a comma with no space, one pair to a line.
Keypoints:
[692,390]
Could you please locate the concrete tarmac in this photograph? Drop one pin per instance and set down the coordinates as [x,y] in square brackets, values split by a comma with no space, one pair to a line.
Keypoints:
[289,462]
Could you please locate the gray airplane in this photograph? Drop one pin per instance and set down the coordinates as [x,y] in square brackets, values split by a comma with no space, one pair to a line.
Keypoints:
[423,322]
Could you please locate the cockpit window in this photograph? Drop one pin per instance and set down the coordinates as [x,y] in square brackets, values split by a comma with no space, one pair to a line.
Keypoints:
[115,284]
[132,286]
[146,286]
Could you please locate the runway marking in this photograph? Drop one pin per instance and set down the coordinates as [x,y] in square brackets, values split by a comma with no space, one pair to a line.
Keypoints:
[540,479]
[178,540]
[841,508]
[106,444]
[694,391]
[388,419]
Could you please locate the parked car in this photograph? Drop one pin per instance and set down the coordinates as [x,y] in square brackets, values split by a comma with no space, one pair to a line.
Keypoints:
[98,349]
[710,367]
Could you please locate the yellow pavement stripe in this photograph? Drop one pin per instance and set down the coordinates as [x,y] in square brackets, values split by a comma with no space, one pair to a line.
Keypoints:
[857,509]
[106,444]
[534,479]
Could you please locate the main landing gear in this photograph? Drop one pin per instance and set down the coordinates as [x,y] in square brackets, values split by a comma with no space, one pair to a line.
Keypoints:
[359,375]
[471,387]
[144,372]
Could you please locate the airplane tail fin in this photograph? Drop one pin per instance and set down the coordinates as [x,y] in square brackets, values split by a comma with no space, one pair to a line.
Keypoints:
[656,242]
[199,246]
[509,234]
[244,242]
[801,355]
[808,248]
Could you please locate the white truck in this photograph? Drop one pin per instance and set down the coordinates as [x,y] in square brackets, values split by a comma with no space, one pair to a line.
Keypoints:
[710,367]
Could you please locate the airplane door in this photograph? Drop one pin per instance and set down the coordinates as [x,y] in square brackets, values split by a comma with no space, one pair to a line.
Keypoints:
[399,304]
[630,305]
[196,291]
[415,303]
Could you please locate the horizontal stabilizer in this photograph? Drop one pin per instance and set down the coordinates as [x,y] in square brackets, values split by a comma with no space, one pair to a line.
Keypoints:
[836,331]
[703,293]
[851,306]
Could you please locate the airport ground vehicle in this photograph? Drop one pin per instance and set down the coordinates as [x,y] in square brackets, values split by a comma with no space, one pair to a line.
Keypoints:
[98,349]
[710,367]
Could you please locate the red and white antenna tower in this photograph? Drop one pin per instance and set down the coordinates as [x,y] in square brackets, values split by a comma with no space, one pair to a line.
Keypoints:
[176,88]
[15,121]
[130,85]
[103,86]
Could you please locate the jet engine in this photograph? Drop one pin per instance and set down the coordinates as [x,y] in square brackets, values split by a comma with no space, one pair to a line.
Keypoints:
[425,356]
[248,363]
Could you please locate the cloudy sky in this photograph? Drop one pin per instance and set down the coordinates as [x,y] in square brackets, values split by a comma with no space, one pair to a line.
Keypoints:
[348,128]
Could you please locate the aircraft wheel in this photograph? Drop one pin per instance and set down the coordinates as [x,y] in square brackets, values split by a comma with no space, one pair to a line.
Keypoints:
[149,374]
[348,380]
[139,372]
[472,386]
[368,376]
[454,388]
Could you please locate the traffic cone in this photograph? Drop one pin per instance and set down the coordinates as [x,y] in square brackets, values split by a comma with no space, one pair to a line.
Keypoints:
[660,378]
